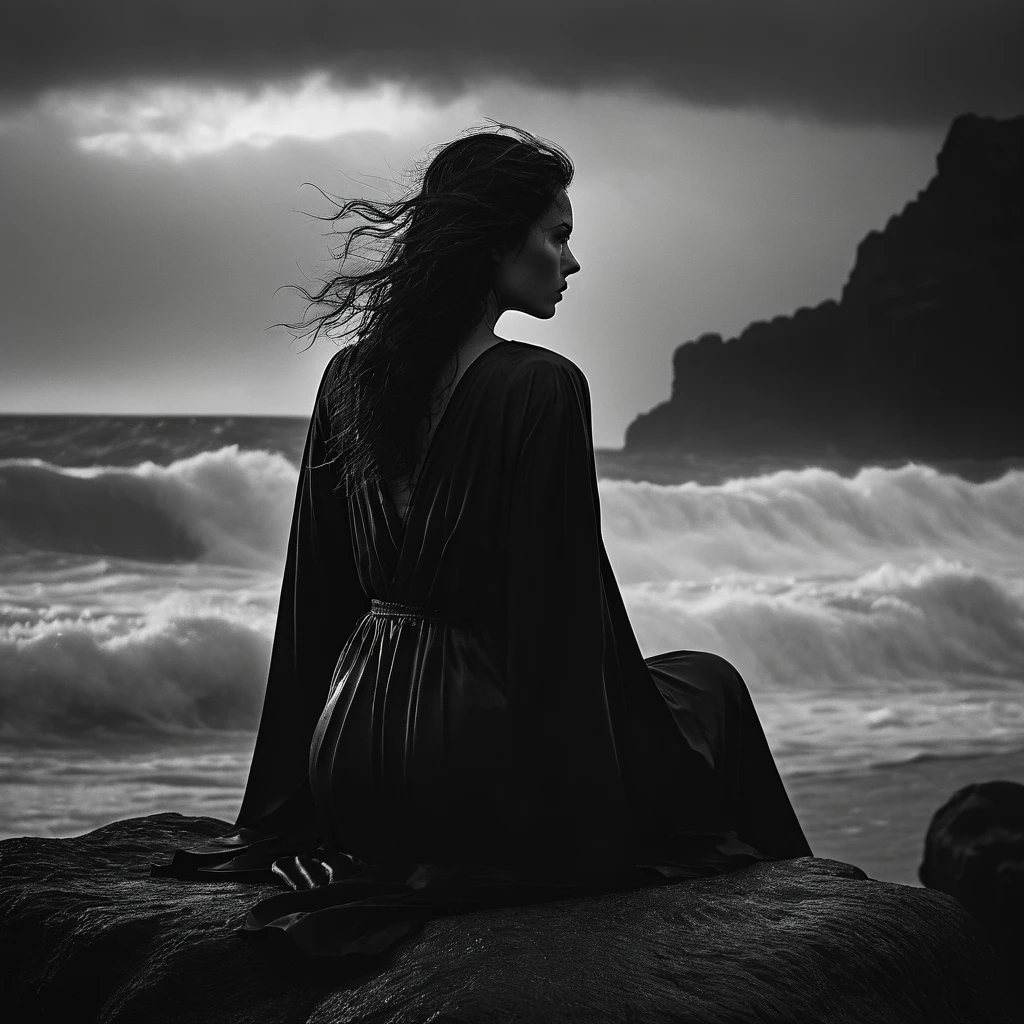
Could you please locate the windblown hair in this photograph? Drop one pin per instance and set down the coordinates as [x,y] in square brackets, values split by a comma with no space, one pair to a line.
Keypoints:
[480,193]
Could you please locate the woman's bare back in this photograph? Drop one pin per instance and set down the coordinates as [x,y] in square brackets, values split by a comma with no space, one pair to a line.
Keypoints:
[400,491]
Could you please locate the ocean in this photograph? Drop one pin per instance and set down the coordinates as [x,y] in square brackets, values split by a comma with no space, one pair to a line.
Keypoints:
[876,613]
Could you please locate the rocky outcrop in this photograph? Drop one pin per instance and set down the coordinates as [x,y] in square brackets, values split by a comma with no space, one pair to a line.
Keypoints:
[87,934]
[974,850]
[921,356]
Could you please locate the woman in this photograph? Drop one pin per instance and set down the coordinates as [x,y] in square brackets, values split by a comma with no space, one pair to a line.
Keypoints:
[457,713]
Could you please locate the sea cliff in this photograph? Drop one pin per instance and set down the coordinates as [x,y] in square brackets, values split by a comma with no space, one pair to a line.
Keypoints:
[920,357]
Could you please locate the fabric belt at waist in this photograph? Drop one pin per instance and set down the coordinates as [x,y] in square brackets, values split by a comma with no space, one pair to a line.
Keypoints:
[395,609]
[481,612]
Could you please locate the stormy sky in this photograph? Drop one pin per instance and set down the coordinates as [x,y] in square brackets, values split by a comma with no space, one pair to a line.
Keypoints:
[729,157]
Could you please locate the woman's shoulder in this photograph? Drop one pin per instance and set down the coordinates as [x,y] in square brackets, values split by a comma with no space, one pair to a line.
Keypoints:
[336,364]
[331,389]
[523,354]
[539,366]
[540,382]
[520,365]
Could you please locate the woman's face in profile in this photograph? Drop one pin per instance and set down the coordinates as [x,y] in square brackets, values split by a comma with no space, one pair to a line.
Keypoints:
[531,279]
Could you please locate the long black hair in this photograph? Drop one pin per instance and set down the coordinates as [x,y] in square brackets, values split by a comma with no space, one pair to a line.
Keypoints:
[481,192]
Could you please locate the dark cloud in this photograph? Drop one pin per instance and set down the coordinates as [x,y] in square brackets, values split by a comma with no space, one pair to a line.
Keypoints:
[892,61]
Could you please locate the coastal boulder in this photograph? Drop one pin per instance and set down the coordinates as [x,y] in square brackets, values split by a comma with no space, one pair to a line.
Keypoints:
[974,851]
[84,930]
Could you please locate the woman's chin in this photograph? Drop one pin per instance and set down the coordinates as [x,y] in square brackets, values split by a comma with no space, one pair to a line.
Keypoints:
[543,310]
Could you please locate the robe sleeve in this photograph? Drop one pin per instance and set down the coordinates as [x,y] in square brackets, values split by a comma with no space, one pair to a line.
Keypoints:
[321,602]
[565,798]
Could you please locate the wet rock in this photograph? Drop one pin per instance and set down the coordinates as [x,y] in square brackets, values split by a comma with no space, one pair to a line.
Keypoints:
[85,931]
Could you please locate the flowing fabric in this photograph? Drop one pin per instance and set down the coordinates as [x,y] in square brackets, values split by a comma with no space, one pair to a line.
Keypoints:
[457,712]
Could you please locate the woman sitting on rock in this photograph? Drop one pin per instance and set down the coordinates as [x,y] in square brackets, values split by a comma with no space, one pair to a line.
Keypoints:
[457,713]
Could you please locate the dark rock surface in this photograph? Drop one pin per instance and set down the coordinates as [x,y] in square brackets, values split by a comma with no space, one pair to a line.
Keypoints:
[87,935]
[921,356]
[974,851]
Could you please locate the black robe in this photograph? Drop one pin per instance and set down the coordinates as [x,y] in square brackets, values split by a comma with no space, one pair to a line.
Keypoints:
[457,713]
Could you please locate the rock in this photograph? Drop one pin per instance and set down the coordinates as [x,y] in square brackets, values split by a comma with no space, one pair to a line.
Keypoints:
[85,928]
[974,851]
[920,358]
